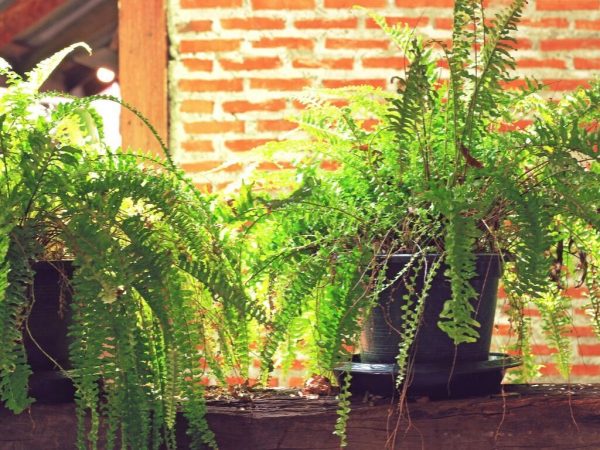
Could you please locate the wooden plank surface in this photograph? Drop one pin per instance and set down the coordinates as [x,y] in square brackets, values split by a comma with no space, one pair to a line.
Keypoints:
[529,417]
[143,71]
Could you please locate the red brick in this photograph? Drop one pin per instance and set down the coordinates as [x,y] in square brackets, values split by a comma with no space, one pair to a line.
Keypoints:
[198,65]
[326,23]
[207,127]
[553,63]
[542,350]
[514,84]
[343,43]
[589,349]
[385,63]
[549,22]
[311,63]
[501,292]
[295,382]
[275,125]
[197,106]
[211,3]
[518,125]
[330,165]
[211,85]
[442,63]
[522,44]
[279,84]
[587,24]
[234,380]
[531,312]
[585,369]
[244,145]
[370,124]
[257,63]
[289,42]
[577,292]
[333,84]
[298,365]
[198,146]
[502,329]
[283,4]
[196,26]
[444,23]
[549,370]
[201,166]
[236,167]
[565,85]
[550,45]
[562,5]
[253,23]
[209,45]
[298,105]
[425,3]
[581,331]
[412,22]
[274,165]
[273,382]
[202,363]
[351,3]
[496,3]
[242,106]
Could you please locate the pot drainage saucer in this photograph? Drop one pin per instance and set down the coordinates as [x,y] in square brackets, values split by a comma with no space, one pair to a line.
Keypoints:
[438,380]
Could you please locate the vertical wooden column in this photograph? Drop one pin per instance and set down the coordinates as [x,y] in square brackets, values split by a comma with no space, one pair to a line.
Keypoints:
[143,57]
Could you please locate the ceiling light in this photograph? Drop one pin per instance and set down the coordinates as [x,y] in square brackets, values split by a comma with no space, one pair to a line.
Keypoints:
[105,75]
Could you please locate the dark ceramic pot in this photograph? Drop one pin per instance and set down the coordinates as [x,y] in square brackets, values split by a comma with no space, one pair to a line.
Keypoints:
[380,341]
[439,368]
[48,323]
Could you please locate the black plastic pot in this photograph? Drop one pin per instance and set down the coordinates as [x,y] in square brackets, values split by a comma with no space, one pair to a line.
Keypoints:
[47,327]
[380,341]
[439,367]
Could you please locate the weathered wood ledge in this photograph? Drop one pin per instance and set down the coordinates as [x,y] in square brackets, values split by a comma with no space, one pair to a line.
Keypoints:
[526,417]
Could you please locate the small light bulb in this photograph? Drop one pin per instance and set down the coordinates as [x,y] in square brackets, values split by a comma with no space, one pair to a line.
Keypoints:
[105,75]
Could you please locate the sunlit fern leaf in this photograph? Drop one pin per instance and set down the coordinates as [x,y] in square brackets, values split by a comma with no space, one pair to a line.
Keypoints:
[40,73]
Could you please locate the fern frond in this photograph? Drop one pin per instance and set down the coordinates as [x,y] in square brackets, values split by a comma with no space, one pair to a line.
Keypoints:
[38,75]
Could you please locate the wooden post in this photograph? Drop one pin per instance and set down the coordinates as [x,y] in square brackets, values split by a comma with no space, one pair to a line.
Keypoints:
[143,57]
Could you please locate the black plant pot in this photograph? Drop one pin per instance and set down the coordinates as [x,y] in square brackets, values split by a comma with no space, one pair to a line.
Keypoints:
[47,327]
[438,365]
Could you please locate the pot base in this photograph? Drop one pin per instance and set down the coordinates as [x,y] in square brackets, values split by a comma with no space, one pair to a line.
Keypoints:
[51,386]
[431,379]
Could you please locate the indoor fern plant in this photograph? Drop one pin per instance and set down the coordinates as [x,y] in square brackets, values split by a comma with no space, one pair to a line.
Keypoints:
[156,294]
[441,167]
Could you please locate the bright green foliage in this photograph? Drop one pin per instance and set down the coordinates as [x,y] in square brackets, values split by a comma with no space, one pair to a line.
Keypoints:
[413,306]
[343,410]
[14,371]
[435,168]
[156,287]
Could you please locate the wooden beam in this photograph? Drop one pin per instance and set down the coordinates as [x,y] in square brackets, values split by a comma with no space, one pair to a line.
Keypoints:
[143,71]
[527,417]
[23,14]
[96,26]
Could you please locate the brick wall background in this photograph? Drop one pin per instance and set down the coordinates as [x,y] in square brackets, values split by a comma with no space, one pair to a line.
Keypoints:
[236,66]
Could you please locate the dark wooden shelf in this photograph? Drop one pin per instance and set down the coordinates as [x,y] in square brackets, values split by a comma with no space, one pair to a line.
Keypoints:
[526,417]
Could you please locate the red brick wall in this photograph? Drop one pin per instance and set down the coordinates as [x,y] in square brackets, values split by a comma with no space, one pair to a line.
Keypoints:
[238,64]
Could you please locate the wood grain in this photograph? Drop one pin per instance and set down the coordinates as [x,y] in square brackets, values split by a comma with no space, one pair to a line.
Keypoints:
[143,71]
[529,417]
